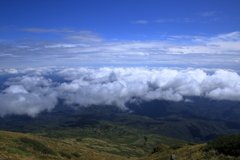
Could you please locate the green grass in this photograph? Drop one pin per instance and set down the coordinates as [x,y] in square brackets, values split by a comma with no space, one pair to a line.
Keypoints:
[18,146]
[19,151]
[113,139]
[36,145]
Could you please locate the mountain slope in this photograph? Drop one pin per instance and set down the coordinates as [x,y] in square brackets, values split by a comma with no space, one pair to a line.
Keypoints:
[19,146]
[176,120]
[27,146]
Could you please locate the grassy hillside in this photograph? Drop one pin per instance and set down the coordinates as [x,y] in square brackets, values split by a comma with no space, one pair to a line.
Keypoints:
[107,130]
[19,146]
[223,148]
[27,146]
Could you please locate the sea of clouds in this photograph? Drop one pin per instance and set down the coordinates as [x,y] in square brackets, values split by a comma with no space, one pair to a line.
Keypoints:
[32,91]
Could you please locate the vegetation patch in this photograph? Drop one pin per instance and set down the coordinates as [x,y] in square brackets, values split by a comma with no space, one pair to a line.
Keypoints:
[63,154]
[76,154]
[177,146]
[228,145]
[18,151]
[37,146]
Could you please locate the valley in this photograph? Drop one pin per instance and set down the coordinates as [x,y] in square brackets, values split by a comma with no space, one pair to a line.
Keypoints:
[125,133]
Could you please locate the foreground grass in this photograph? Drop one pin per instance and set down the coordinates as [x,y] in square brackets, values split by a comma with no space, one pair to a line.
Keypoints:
[20,146]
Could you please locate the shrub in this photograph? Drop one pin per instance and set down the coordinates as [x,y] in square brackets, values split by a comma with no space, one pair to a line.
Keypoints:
[63,154]
[19,151]
[191,143]
[228,145]
[76,154]
[21,148]
[160,148]
[79,139]
[177,146]
[37,146]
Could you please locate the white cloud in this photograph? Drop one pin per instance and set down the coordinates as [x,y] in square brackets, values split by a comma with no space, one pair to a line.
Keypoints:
[11,71]
[115,86]
[26,103]
[30,82]
[120,85]
[27,95]
[15,89]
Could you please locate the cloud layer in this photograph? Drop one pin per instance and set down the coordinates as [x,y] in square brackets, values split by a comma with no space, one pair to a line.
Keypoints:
[27,95]
[86,48]
[32,94]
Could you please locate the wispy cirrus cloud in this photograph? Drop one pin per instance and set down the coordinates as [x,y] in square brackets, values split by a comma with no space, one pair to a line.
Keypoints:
[41,30]
[176,20]
[140,22]
[84,36]
[78,36]
[201,17]
[207,13]
[88,48]
[211,16]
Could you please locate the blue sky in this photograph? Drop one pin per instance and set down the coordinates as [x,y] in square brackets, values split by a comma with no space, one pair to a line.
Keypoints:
[156,33]
[112,51]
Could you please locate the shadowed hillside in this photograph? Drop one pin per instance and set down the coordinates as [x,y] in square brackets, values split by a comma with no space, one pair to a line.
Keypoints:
[186,121]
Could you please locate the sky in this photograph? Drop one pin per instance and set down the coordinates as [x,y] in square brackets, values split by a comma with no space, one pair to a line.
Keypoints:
[120,33]
[115,52]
